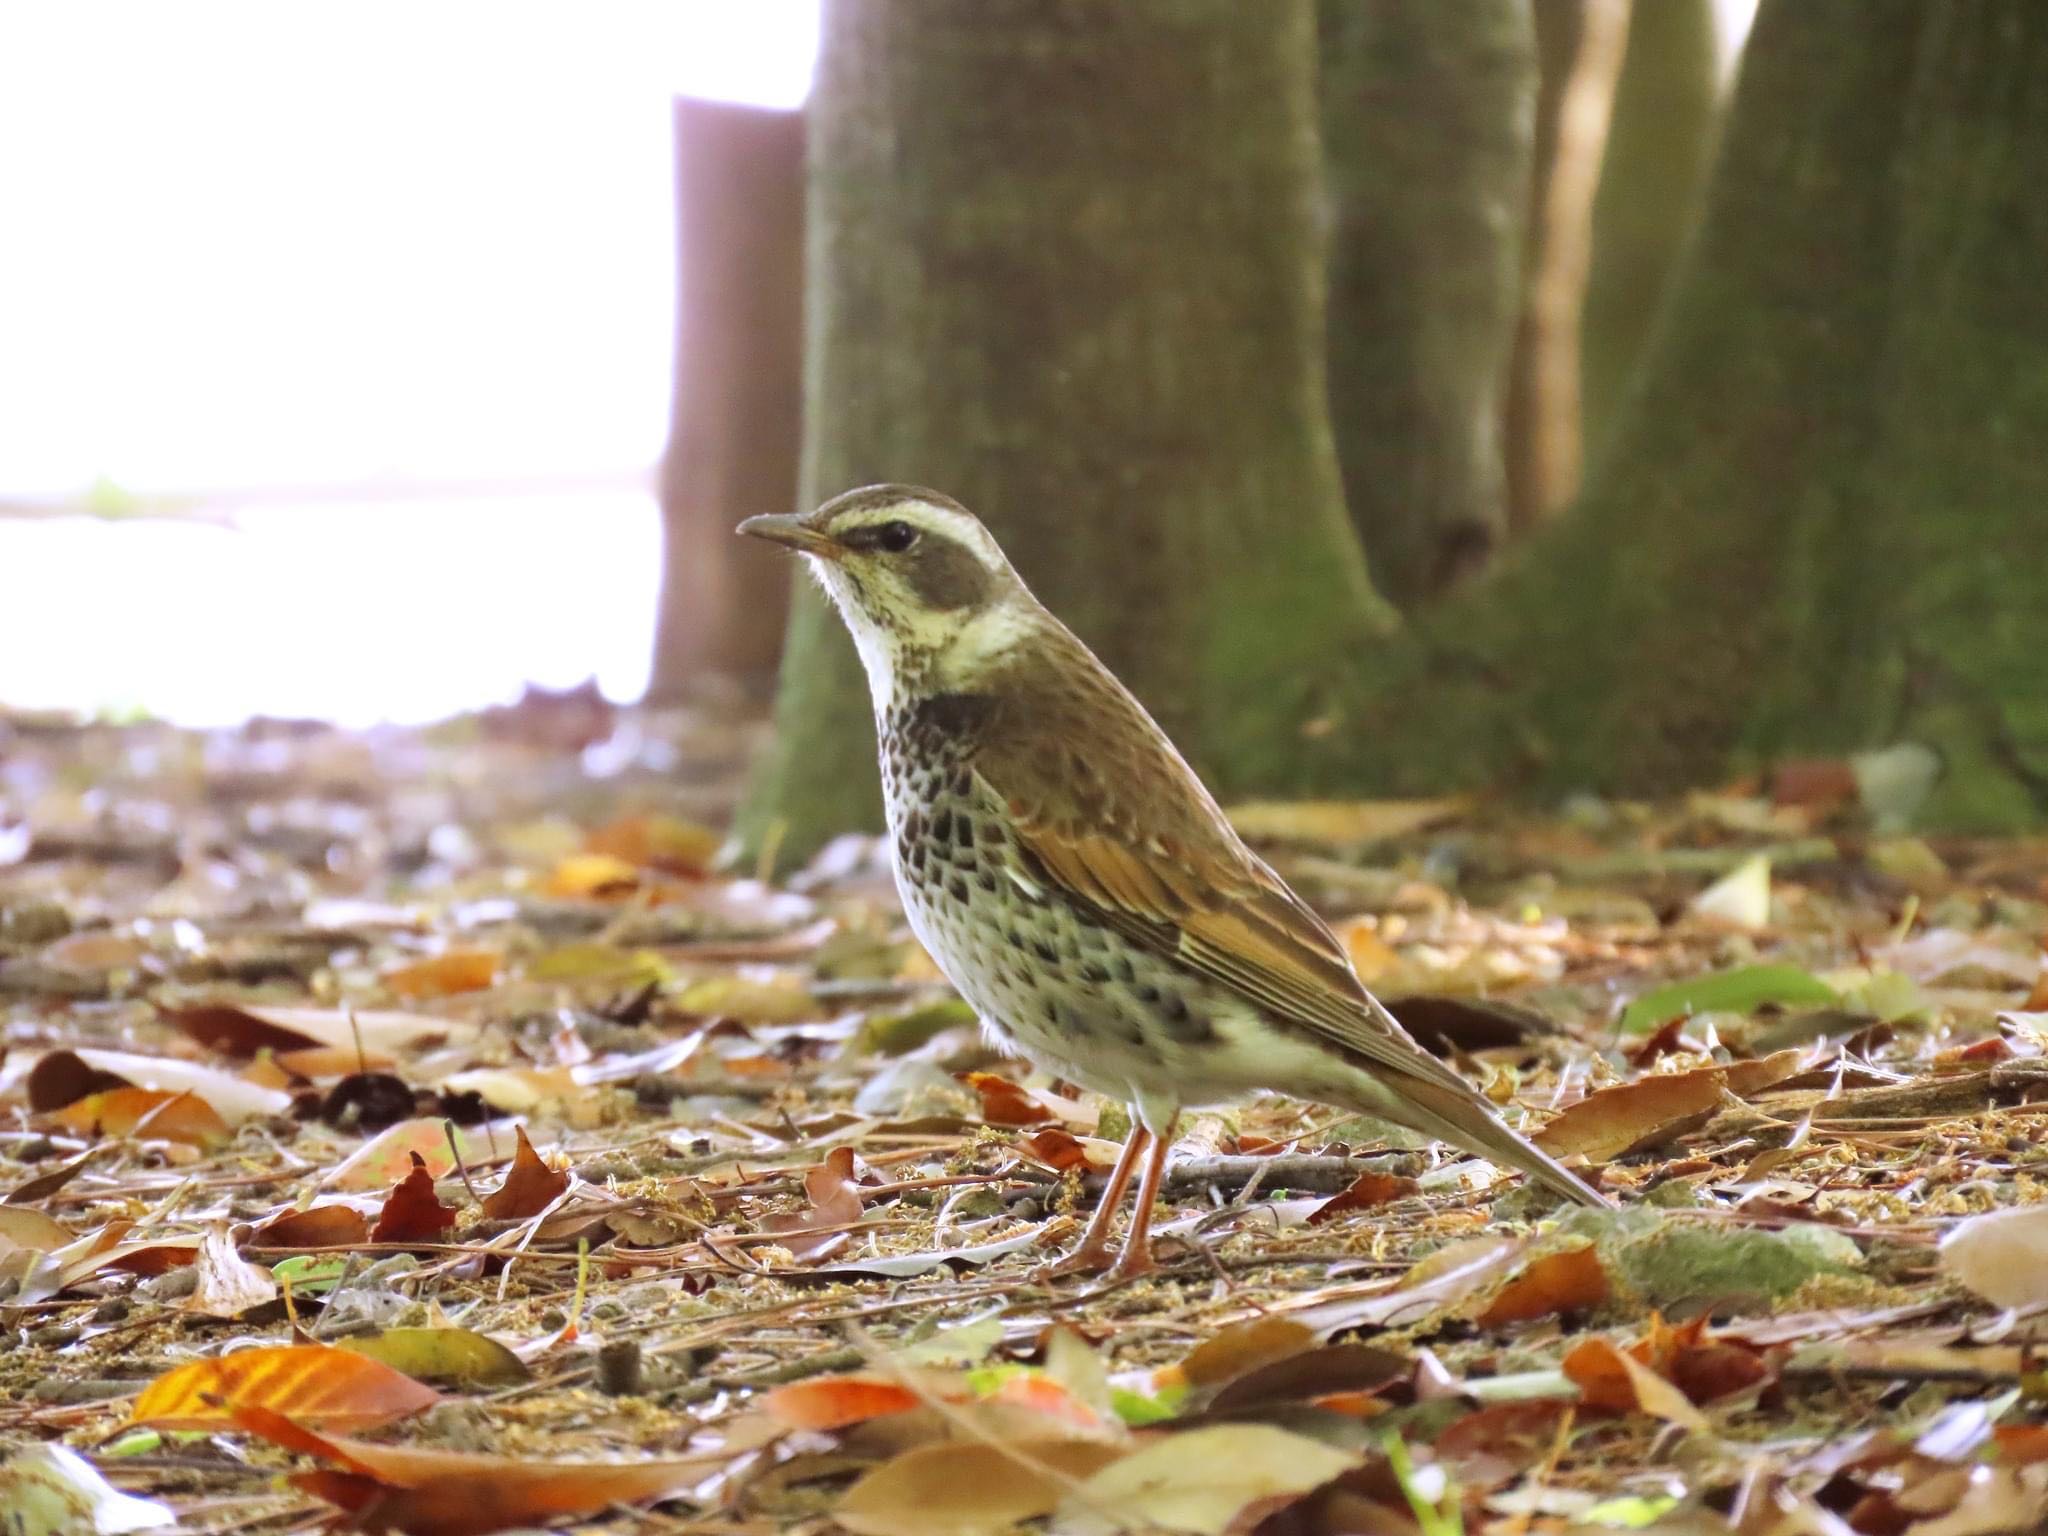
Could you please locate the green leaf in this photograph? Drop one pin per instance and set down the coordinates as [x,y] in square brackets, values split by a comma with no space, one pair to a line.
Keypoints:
[1138,1410]
[1741,990]
[1631,1512]
[457,1357]
[309,1273]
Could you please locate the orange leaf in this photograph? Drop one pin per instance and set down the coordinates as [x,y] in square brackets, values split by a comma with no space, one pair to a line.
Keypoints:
[413,1213]
[1558,1282]
[466,1493]
[1006,1103]
[833,1402]
[1617,1381]
[530,1188]
[596,875]
[333,1388]
[459,970]
[1616,1120]
[666,843]
[1366,1191]
[1059,1150]
[147,1112]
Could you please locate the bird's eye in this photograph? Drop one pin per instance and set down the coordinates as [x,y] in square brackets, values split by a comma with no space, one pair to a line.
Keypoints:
[895,538]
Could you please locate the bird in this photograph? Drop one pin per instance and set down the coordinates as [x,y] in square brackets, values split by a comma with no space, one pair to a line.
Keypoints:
[1076,882]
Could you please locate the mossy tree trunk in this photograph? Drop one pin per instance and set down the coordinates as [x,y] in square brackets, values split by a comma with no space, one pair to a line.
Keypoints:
[1064,265]
[1427,109]
[735,421]
[1659,140]
[1823,521]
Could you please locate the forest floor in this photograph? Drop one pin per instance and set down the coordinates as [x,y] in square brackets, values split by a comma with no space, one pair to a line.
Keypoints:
[425,1125]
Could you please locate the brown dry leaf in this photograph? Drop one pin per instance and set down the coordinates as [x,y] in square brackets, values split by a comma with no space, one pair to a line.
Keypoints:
[1239,1349]
[316,1385]
[23,1230]
[1344,1374]
[1011,1104]
[228,1284]
[320,1226]
[384,1036]
[529,1188]
[148,1113]
[412,1212]
[1614,1121]
[1615,1380]
[1570,1281]
[832,1201]
[1366,1191]
[444,975]
[1444,1280]
[955,1489]
[1201,1480]
[63,1077]
[460,1493]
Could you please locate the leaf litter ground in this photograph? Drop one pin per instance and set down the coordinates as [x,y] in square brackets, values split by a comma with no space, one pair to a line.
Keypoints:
[423,1128]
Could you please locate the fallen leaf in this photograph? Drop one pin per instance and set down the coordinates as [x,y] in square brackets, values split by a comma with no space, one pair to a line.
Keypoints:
[412,1212]
[388,1156]
[529,1188]
[316,1385]
[1741,898]
[783,1000]
[235,1098]
[1613,1379]
[146,1112]
[320,1226]
[1570,1281]
[51,1490]
[1241,1348]
[833,1402]
[456,1357]
[832,1200]
[1366,1191]
[26,1231]
[1201,1480]
[666,843]
[1326,1371]
[624,969]
[2001,1255]
[1444,1280]
[1638,1114]
[968,1489]
[462,1493]
[1742,990]
[592,876]
[228,1284]
[383,1036]
[443,975]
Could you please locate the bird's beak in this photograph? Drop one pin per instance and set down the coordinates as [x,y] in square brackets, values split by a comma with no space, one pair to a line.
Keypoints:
[799,535]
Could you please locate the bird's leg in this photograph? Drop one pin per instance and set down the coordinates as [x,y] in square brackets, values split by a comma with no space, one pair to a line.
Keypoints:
[1136,1259]
[1093,1255]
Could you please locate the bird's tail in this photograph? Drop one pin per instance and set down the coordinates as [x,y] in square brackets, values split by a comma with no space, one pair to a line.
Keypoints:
[1467,1120]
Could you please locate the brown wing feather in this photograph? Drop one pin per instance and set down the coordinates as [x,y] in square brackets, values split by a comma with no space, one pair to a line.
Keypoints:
[1112,815]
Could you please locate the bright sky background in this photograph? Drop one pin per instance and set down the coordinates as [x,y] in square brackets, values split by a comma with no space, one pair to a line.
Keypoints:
[256,246]
[294,251]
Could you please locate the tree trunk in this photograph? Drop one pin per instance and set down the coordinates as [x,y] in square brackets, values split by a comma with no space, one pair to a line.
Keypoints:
[1580,43]
[1064,265]
[1427,112]
[736,416]
[1822,523]
[1666,108]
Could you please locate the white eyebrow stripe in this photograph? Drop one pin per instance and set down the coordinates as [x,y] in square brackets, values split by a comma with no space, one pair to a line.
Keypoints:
[959,527]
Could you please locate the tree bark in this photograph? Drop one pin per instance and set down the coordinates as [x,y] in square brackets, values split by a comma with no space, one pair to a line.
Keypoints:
[1659,141]
[1580,43]
[1064,265]
[1822,522]
[1427,110]
[736,414]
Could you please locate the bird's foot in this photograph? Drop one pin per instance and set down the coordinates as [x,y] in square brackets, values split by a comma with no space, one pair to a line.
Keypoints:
[1088,1259]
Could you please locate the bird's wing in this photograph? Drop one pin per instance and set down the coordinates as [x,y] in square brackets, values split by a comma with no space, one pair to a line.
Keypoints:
[1110,816]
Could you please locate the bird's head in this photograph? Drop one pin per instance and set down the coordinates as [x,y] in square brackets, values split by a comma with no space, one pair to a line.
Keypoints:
[932,603]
